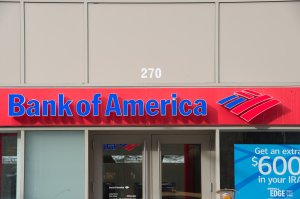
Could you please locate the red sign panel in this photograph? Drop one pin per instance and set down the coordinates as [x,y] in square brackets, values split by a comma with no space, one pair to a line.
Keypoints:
[149,106]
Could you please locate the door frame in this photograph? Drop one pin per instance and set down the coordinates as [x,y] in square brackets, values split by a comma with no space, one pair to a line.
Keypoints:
[149,158]
[206,160]
[99,140]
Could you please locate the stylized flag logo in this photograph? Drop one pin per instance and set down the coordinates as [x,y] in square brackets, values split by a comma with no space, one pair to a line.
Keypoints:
[127,147]
[248,104]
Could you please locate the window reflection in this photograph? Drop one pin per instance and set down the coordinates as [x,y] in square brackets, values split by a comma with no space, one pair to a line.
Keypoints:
[8,166]
[122,171]
[228,139]
[181,171]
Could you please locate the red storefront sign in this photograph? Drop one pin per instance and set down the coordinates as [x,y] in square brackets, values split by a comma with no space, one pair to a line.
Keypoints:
[149,106]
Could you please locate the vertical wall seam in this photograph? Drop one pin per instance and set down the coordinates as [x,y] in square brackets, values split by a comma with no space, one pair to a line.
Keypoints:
[22,45]
[217,42]
[86,164]
[217,162]
[86,44]
[21,164]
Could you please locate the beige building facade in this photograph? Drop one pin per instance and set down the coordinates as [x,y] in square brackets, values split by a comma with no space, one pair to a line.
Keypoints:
[128,44]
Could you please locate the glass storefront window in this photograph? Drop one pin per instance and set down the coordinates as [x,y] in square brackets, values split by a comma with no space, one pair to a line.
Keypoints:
[122,171]
[54,164]
[181,171]
[229,139]
[8,166]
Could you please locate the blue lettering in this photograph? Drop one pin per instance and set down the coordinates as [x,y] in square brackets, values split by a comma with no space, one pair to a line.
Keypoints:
[182,107]
[96,102]
[83,107]
[150,105]
[133,106]
[113,105]
[64,106]
[174,104]
[34,109]
[46,105]
[16,108]
[79,108]
[164,104]
[201,108]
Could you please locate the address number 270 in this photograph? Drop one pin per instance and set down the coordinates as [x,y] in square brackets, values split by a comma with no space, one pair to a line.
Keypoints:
[151,73]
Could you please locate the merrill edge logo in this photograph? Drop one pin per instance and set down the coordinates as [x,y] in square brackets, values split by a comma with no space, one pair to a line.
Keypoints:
[248,104]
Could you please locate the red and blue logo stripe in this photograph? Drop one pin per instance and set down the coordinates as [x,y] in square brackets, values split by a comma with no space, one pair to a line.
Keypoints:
[113,147]
[248,104]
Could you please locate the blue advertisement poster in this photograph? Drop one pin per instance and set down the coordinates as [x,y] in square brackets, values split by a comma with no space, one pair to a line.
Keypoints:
[267,171]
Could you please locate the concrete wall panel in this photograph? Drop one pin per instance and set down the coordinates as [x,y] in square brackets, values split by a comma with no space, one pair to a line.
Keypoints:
[177,38]
[10,43]
[54,43]
[260,42]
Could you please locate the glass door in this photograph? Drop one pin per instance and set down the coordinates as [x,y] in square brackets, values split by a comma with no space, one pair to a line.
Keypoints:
[120,165]
[152,167]
[181,167]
